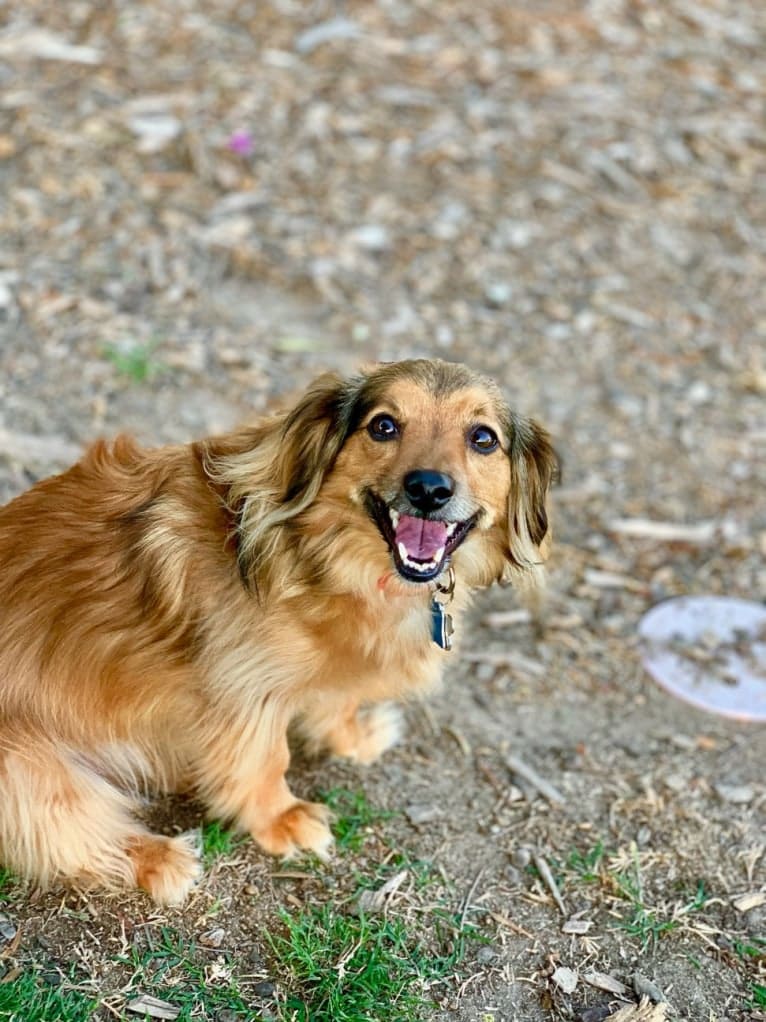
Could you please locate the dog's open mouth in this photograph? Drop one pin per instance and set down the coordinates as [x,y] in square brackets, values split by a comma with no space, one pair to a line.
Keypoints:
[420,546]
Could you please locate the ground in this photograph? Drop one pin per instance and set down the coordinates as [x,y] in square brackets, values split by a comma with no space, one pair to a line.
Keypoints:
[202,204]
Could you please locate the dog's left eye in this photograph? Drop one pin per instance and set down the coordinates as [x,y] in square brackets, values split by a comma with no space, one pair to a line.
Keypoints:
[483,439]
[383,427]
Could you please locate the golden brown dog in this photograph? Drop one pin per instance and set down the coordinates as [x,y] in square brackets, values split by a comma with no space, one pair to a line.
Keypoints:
[166,615]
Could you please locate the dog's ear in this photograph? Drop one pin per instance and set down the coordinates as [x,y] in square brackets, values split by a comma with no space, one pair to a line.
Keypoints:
[312,435]
[534,466]
[273,472]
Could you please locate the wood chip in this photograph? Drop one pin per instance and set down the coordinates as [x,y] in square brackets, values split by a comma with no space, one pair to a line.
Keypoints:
[565,979]
[145,1004]
[646,988]
[577,926]
[602,981]
[509,924]
[613,580]
[531,776]
[506,658]
[697,534]
[643,1012]
[547,876]
[507,618]
[40,44]
[745,902]
[375,901]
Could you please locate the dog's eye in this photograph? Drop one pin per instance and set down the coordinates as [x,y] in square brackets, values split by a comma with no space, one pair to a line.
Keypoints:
[383,427]
[483,439]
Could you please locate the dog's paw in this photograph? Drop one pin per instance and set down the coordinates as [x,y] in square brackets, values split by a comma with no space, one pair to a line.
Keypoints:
[303,826]
[166,867]
[377,729]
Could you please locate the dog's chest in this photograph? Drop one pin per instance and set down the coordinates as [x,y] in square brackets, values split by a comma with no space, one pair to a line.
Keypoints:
[382,644]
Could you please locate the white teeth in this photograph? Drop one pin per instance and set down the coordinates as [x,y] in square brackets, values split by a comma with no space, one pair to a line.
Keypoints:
[451,528]
[422,566]
[394,515]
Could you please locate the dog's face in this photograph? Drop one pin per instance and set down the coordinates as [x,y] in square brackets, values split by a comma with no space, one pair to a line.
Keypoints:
[419,465]
[427,465]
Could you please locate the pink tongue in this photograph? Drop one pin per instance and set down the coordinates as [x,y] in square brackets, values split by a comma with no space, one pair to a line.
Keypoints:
[421,537]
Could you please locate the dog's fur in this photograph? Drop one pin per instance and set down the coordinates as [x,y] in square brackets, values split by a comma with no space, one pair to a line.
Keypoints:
[166,615]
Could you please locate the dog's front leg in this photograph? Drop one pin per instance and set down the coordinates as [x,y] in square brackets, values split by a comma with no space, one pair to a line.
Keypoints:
[242,777]
[339,725]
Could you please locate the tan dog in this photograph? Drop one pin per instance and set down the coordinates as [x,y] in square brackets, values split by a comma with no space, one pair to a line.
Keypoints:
[166,615]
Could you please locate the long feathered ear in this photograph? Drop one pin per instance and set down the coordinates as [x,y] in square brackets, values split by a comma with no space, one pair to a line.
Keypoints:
[277,469]
[534,466]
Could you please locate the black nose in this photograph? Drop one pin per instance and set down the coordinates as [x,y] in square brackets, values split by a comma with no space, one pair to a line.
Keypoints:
[428,490]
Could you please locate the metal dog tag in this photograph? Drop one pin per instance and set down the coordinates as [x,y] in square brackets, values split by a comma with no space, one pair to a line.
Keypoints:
[441,625]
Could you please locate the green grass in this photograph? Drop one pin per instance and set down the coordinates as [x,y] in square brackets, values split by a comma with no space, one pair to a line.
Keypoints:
[135,361]
[172,969]
[753,947]
[6,879]
[645,924]
[757,996]
[359,968]
[354,817]
[421,871]
[587,865]
[217,840]
[28,998]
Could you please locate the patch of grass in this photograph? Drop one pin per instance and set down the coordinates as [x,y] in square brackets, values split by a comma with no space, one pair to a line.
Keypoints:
[586,865]
[757,996]
[645,924]
[170,968]
[135,361]
[28,998]
[354,816]
[6,878]
[421,870]
[753,947]
[345,968]
[217,841]
[699,900]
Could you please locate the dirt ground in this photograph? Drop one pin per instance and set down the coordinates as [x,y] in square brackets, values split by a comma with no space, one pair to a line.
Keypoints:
[202,204]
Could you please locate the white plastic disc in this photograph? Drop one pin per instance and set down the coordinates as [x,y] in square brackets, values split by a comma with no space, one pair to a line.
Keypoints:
[709,651]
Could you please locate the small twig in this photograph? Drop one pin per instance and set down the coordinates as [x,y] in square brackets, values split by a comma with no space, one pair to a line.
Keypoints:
[545,872]
[469,897]
[546,789]
[510,925]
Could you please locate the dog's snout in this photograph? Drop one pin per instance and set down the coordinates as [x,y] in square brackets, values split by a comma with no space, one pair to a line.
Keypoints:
[428,490]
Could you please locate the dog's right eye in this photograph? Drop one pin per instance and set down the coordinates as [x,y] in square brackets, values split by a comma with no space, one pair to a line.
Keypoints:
[383,427]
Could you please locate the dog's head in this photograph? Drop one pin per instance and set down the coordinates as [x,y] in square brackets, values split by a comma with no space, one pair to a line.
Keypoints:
[413,466]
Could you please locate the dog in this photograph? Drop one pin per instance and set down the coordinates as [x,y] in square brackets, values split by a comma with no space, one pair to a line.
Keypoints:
[167,615]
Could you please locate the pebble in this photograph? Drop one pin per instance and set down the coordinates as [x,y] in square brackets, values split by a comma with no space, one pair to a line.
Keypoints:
[264,989]
[737,794]
[645,988]
[565,979]
[596,1013]
[486,955]
[7,929]
[498,293]
[214,937]
[521,857]
[422,812]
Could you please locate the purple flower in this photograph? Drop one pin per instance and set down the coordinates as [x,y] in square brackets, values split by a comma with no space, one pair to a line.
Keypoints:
[241,143]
